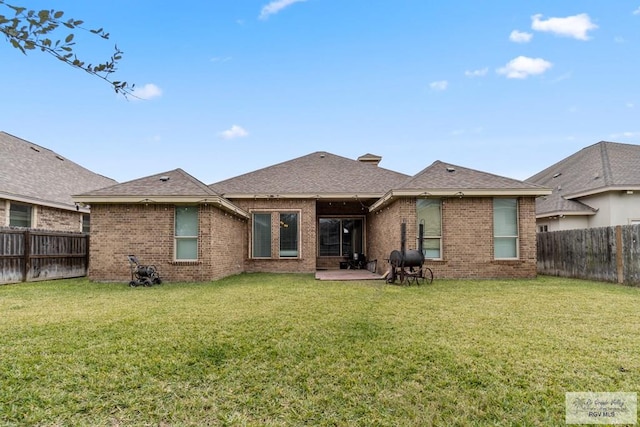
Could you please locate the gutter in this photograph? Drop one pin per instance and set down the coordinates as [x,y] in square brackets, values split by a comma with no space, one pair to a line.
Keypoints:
[218,201]
[452,192]
[40,202]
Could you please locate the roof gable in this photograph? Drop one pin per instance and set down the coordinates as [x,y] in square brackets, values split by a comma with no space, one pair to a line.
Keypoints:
[445,180]
[318,173]
[35,174]
[601,167]
[446,176]
[173,187]
[166,184]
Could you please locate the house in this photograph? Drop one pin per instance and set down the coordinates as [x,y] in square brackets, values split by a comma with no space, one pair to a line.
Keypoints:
[599,186]
[36,185]
[313,212]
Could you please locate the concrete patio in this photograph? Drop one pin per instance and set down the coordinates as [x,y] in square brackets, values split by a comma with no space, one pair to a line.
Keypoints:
[343,275]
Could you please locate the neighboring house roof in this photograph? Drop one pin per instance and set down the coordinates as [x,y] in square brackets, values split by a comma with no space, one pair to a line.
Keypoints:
[598,168]
[318,174]
[174,186]
[445,179]
[33,174]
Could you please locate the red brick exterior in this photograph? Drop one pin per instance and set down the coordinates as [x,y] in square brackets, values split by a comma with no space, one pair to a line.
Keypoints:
[224,244]
[47,218]
[147,231]
[467,235]
[58,219]
[306,209]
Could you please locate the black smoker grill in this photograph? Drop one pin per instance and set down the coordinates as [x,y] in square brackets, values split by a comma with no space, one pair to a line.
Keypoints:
[408,265]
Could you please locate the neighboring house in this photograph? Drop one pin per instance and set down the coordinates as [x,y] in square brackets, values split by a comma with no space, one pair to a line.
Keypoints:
[599,186]
[36,185]
[313,212]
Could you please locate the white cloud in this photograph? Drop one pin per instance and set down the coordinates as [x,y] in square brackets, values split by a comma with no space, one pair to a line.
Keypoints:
[523,67]
[630,105]
[147,91]
[439,85]
[575,26]
[477,73]
[520,36]
[234,132]
[625,135]
[275,7]
[220,59]
[637,11]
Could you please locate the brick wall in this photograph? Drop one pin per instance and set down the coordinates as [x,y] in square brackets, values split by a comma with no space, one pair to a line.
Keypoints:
[306,209]
[467,238]
[147,231]
[58,219]
[47,218]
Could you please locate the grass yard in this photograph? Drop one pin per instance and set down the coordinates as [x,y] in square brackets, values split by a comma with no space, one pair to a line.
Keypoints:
[271,350]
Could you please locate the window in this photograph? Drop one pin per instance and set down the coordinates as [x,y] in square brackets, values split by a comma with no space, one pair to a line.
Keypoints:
[86,224]
[261,235]
[288,235]
[186,233]
[19,215]
[340,236]
[505,228]
[267,241]
[429,214]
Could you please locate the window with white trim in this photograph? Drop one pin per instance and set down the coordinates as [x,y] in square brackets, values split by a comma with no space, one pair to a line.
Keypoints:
[261,244]
[186,233]
[289,235]
[505,228]
[86,223]
[20,215]
[429,214]
[282,242]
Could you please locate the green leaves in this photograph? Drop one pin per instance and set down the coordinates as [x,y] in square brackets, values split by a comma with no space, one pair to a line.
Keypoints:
[31,29]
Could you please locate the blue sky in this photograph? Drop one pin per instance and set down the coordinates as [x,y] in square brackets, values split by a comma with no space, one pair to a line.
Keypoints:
[231,86]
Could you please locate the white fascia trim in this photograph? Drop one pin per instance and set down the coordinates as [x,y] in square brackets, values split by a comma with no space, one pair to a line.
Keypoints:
[315,196]
[393,194]
[601,190]
[221,202]
[561,213]
[40,202]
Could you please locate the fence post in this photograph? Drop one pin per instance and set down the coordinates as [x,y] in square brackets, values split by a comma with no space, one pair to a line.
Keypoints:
[27,255]
[619,254]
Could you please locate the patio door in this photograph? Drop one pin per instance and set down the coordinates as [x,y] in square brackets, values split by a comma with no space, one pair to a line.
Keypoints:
[340,237]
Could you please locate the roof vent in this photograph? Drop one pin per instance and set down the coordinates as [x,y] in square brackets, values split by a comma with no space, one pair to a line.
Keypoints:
[557,175]
[35,149]
[451,169]
[164,178]
[371,159]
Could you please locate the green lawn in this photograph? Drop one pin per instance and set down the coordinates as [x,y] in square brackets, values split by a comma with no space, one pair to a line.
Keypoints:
[262,349]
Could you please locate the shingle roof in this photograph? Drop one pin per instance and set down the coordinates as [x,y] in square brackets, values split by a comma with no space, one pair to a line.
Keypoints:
[174,186]
[172,183]
[446,176]
[318,173]
[445,180]
[600,167]
[35,174]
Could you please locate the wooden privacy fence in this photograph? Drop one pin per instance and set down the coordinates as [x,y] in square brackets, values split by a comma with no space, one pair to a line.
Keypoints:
[31,255]
[609,254]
